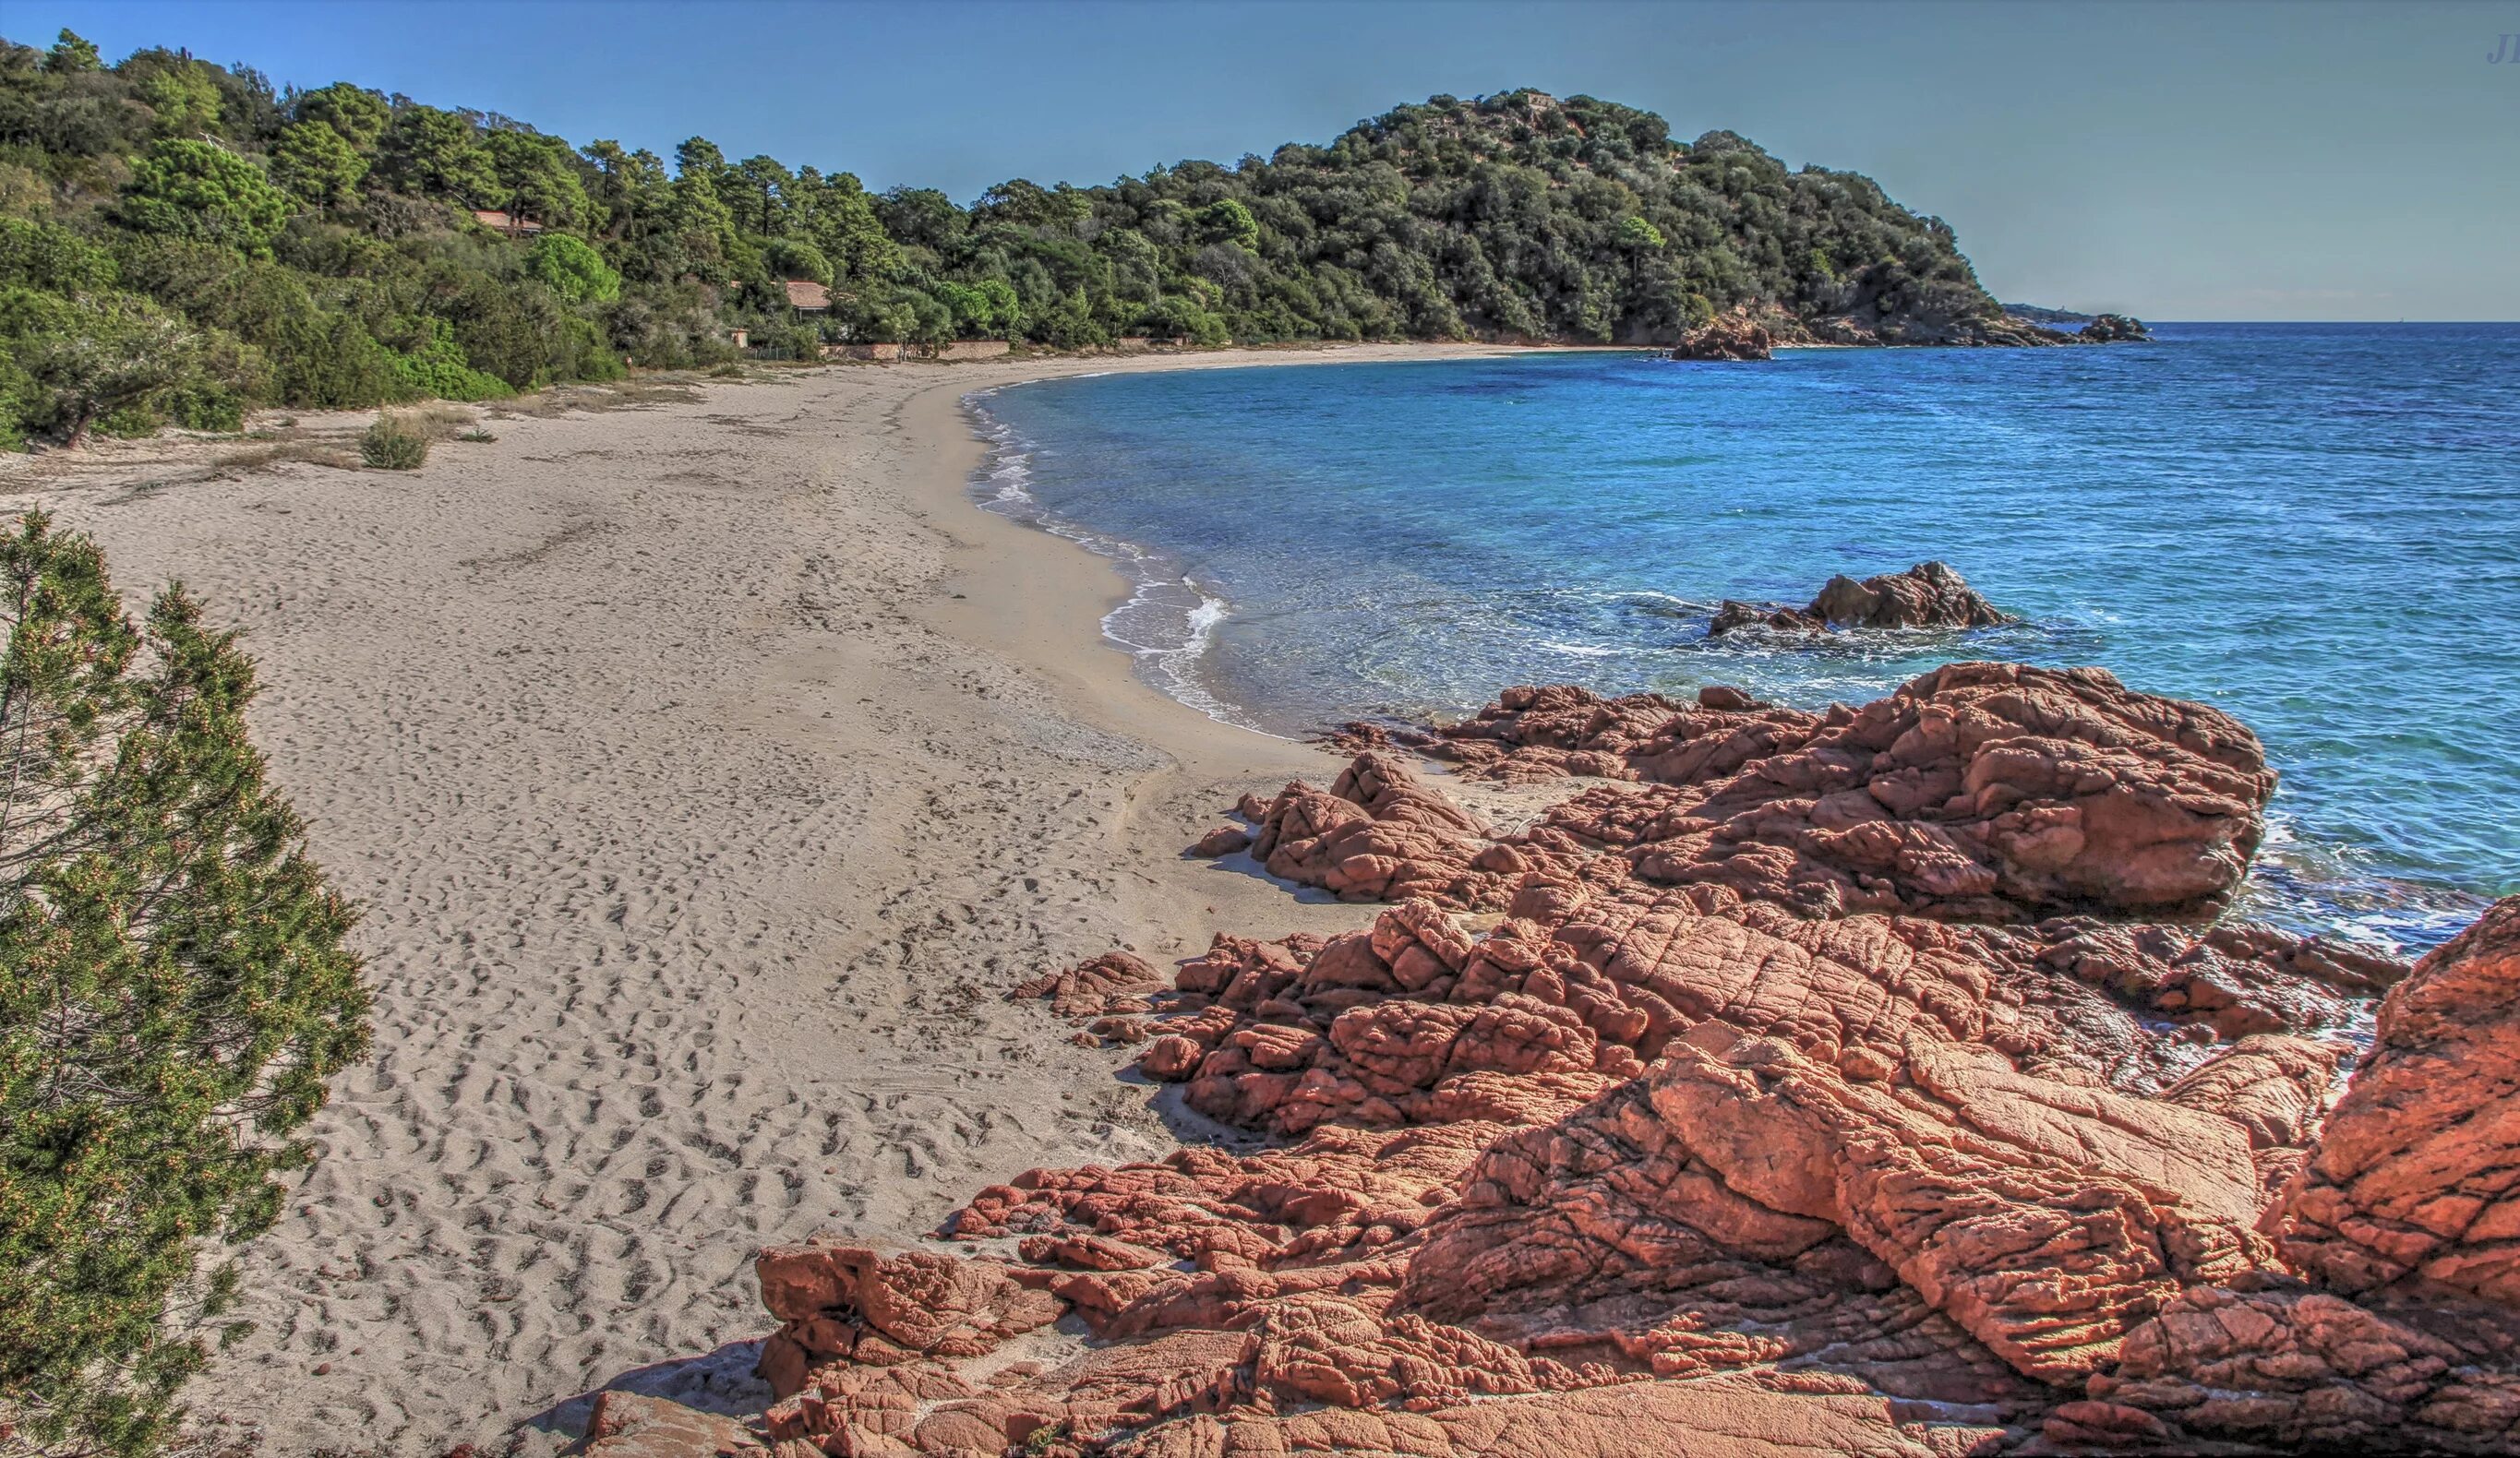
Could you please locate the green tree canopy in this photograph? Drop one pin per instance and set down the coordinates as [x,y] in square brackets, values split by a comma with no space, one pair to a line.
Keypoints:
[796,259]
[538,178]
[359,116]
[185,98]
[84,358]
[175,990]
[440,155]
[51,258]
[316,164]
[574,271]
[191,189]
[71,54]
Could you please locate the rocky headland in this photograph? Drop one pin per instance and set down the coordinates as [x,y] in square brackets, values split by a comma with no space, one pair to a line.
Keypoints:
[1879,1081]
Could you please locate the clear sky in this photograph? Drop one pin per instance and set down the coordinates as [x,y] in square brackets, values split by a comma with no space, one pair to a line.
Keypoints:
[2220,159]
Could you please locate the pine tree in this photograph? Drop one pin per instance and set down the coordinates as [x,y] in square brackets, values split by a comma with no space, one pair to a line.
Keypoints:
[174,992]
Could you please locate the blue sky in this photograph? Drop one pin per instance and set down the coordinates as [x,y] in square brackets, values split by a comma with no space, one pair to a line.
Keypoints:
[2240,159]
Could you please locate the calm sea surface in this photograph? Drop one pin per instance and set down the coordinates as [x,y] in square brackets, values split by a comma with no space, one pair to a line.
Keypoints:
[2313,527]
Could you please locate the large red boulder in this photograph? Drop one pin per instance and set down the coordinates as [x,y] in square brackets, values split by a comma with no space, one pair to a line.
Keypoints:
[836,1300]
[1987,791]
[1983,791]
[2417,1178]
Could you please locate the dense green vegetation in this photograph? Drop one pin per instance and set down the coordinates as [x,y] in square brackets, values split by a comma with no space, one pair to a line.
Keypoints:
[179,240]
[174,996]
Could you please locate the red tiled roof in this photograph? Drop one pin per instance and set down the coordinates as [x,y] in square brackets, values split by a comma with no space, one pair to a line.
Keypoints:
[805,294]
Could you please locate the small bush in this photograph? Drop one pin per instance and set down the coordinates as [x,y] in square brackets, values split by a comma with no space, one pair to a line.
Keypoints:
[391,445]
[727,372]
[130,423]
[198,408]
[437,367]
[476,436]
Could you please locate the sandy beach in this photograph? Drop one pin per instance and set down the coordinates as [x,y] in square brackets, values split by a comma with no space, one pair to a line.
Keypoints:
[707,771]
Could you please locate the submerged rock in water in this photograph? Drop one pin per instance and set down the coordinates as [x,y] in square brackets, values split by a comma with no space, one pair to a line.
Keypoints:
[2114,328]
[1929,595]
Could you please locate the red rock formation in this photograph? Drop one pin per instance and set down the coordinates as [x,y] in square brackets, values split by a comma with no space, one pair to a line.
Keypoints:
[2035,787]
[629,1425]
[1980,791]
[1117,981]
[1726,337]
[2046,1218]
[851,1301]
[1224,840]
[1688,1142]
[1379,834]
[2281,1368]
[1928,594]
[2417,1176]
[1376,1026]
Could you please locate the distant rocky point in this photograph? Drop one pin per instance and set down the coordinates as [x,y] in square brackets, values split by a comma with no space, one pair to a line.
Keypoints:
[2051,318]
[2115,328]
[2089,328]
[1928,594]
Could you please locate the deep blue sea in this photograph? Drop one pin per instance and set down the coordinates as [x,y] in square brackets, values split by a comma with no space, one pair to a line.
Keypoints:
[2313,527]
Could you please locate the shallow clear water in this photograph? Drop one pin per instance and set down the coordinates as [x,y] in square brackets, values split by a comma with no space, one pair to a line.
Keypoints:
[2313,527]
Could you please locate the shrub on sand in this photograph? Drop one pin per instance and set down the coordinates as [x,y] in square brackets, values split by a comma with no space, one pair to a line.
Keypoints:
[391,444]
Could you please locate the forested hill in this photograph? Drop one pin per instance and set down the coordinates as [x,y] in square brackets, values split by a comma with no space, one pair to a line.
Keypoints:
[179,240]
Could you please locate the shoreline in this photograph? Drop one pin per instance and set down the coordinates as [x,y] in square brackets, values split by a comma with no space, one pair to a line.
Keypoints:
[700,828]
[710,773]
[2306,882]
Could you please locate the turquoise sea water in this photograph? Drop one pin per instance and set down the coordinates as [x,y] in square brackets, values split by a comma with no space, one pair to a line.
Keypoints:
[2313,527]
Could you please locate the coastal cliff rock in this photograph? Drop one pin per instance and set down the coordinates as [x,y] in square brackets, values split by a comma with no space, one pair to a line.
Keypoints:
[1928,594]
[2416,1181]
[1726,337]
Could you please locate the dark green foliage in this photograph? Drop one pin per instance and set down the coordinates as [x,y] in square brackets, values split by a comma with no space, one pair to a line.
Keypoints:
[207,408]
[359,116]
[317,166]
[574,271]
[322,241]
[434,154]
[73,52]
[391,445]
[188,189]
[90,357]
[51,260]
[433,365]
[174,992]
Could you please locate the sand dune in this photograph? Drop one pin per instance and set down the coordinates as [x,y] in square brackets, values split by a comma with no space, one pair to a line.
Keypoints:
[707,770]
